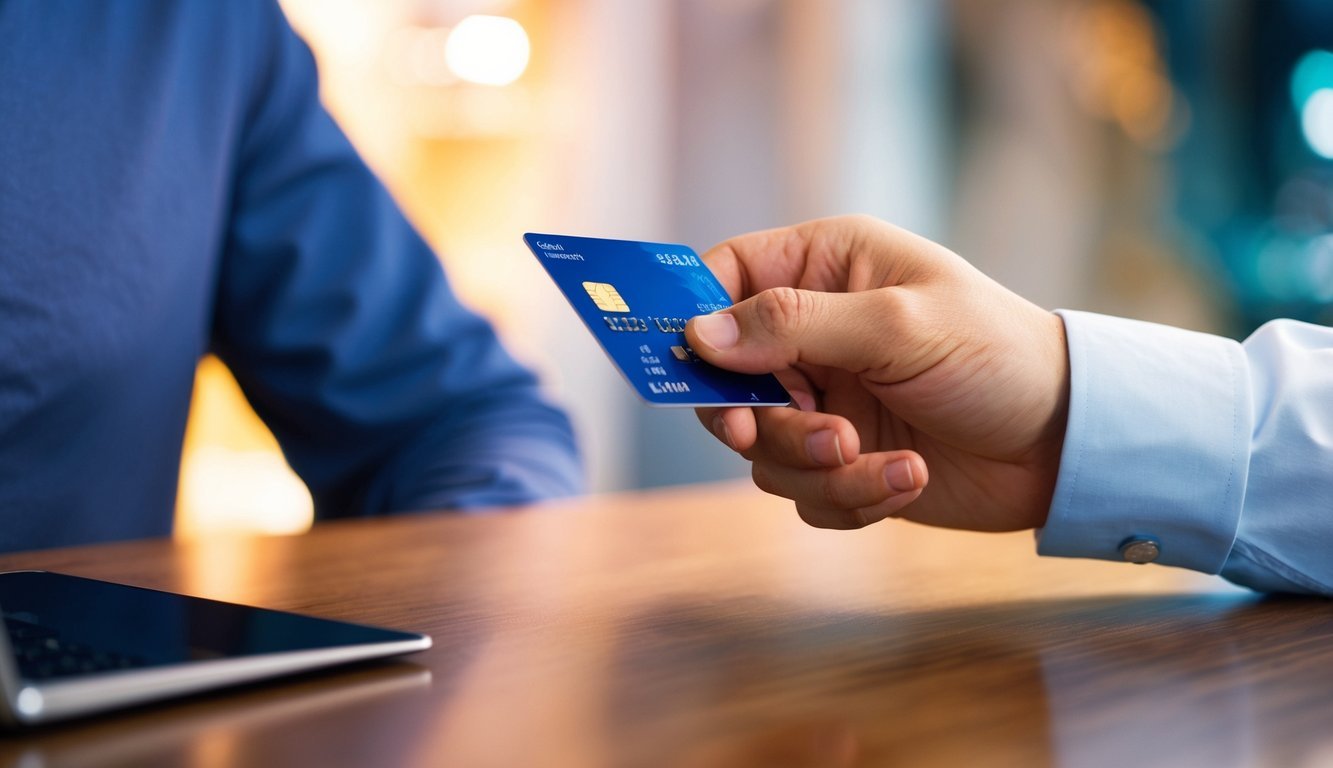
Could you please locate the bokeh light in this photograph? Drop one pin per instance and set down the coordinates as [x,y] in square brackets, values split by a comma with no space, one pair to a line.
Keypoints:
[1317,122]
[489,50]
[1313,72]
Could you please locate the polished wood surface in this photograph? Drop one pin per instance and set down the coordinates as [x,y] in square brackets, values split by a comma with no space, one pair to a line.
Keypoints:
[708,626]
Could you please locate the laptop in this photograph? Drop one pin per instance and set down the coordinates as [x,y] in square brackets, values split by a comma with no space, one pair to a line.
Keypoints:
[74,646]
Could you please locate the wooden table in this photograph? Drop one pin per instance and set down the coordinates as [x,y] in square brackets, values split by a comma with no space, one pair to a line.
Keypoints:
[708,626]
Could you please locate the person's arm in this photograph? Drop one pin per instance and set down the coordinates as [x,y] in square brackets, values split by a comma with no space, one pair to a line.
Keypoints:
[1102,432]
[384,392]
[1220,454]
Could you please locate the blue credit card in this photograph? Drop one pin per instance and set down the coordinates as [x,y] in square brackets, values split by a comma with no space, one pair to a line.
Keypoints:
[635,298]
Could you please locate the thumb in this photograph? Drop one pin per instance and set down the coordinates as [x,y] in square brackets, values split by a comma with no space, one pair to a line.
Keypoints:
[780,327]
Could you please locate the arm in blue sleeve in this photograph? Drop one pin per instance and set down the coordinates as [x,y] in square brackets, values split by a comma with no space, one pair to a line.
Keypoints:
[1220,452]
[384,392]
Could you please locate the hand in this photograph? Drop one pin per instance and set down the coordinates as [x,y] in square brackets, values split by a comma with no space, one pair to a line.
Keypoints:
[905,362]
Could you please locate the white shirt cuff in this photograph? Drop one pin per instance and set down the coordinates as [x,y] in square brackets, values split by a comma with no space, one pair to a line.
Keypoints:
[1157,443]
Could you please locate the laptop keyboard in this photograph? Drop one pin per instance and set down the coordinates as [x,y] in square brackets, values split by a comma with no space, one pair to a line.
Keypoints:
[42,654]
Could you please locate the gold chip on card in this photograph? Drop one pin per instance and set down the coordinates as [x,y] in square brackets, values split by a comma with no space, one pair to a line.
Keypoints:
[606,297]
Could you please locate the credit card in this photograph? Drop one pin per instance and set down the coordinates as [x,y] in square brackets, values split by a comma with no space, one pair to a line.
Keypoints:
[635,297]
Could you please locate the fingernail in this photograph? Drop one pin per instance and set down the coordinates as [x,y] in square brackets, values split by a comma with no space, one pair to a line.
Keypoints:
[899,476]
[804,400]
[720,429]
[824,448]
[718,330]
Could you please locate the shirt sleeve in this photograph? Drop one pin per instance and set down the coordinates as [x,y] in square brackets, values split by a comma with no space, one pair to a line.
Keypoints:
[383,391]
[1220,452]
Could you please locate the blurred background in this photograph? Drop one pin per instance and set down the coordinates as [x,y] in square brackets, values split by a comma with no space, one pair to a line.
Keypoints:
[1161,159]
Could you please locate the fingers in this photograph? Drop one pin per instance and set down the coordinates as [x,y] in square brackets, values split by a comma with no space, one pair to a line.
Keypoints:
[781,327]
[875,486]
[785,436]
[827,292]
[815,254]
[735,427]
[812,458]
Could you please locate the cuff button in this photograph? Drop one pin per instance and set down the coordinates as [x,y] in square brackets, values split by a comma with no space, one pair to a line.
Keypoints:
[1139,550]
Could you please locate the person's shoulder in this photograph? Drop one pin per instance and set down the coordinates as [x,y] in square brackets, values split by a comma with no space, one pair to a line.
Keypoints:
[238,26]
[231,44]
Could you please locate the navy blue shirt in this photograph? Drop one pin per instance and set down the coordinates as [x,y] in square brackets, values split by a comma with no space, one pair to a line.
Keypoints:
[170,186]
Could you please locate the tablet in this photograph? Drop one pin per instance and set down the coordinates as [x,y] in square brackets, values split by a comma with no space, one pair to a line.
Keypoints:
[74,646]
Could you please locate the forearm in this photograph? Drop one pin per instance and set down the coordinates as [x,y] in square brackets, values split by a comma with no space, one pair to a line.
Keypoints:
[510,449]
[385,392]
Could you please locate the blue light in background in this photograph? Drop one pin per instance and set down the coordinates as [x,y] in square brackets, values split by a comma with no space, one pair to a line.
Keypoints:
[1312,94]
[1313,72]
[1317,122]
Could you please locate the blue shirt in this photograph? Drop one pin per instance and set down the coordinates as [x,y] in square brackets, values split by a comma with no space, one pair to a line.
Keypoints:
[170,186]
[1220,452]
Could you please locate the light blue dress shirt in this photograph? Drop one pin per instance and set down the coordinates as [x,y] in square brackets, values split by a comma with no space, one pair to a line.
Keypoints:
[1220,452]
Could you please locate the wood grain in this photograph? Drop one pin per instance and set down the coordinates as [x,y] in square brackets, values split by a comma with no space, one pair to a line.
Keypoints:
[708,626]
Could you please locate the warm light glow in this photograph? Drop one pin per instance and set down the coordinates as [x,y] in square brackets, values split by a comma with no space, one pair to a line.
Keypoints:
[233,475]
[1317,122]
[420,53]
[241,491]
[490,50]
[1120,74]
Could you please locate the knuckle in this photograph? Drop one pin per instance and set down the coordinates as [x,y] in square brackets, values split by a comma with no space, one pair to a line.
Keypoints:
[861,221]
[816,517]
[833,495]
[763,480]
[781,311]
[830,519]
[898,309]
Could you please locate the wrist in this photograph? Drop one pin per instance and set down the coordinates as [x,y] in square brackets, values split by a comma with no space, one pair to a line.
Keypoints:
[1051,444]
